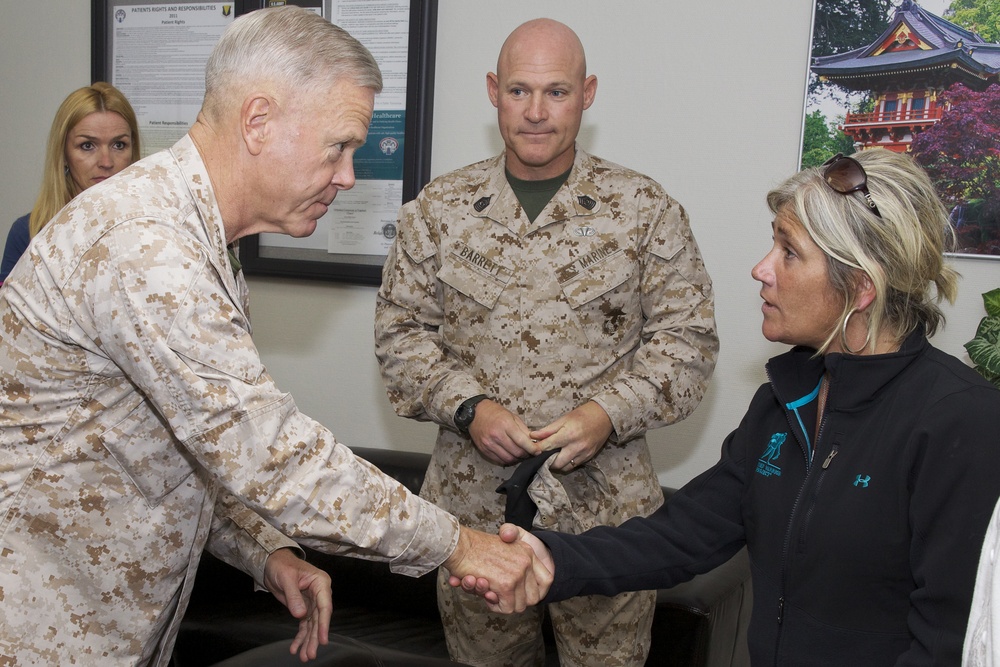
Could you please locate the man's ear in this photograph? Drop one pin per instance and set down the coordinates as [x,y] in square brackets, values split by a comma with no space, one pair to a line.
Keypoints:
[255,116]
[492,87]
[589,91]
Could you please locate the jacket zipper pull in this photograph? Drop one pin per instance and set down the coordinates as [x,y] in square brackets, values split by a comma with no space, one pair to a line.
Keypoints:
[826,463]
[781,609]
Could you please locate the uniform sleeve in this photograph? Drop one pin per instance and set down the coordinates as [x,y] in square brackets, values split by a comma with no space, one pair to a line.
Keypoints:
[955,487]
[163,316]
[242,539]
[678,347]
[423,379]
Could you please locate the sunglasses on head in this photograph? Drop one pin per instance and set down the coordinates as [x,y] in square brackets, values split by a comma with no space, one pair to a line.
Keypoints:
[846,175]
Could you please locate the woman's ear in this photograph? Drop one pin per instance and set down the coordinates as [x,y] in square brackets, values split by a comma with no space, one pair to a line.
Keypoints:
[864,291]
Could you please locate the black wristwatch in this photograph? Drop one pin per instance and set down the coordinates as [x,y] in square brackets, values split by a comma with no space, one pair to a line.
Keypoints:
[467,412]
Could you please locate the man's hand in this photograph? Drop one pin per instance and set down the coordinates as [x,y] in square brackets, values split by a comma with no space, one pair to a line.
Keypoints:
[500,435]
[306,591]
[511,575]
[509,533]
[580,434]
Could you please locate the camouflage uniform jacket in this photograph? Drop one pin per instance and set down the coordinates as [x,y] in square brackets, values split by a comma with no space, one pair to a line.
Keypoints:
[132,404]
[604,297]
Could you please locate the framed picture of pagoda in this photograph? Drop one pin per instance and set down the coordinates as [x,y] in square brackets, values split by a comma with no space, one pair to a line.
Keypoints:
[917,77]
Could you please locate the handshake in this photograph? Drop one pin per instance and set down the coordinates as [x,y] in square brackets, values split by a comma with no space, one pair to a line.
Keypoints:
[518,565]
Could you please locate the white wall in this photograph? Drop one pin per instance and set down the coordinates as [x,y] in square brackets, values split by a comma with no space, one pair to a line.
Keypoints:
[705,97]
[44,54]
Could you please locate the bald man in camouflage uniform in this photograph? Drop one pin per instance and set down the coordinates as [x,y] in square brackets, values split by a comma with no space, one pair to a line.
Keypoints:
[545,299]
[137,422]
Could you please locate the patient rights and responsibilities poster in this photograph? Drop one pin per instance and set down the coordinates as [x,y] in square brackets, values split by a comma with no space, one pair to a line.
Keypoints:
[157,54]
[158,62]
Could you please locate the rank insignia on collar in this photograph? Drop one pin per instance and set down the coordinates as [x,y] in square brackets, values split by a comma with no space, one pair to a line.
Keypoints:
[481,204]
[586,202]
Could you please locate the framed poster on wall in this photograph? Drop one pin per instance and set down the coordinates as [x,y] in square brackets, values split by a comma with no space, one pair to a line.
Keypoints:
[156,54]
[915,78]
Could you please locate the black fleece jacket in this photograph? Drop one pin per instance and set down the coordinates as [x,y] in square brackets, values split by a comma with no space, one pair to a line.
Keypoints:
[863,542]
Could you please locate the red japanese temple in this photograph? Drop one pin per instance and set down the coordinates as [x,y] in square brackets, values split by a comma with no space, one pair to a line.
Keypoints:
[906,69]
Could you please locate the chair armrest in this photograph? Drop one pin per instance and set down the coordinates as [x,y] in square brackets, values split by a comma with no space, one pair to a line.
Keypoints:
[706,618]
[703,622]
[704,594]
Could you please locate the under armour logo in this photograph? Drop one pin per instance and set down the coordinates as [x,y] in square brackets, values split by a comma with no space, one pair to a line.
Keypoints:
[481,203]
[862,481]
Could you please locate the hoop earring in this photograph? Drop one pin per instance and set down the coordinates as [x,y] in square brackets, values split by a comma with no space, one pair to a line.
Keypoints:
[843,334]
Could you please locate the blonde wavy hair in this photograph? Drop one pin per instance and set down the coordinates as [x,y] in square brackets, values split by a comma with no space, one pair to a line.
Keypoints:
[901,252]
[58,186]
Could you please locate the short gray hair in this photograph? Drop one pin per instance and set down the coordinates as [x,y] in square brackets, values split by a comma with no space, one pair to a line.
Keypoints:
[287,45]
[902,252]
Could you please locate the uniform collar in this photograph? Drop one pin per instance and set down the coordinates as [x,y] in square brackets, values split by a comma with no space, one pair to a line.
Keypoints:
[195,174]
[495,200]
[854,380]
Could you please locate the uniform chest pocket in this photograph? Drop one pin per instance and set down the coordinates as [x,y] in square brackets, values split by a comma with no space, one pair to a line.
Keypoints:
[604,296]
[148,454]
[474,275]
[583,284]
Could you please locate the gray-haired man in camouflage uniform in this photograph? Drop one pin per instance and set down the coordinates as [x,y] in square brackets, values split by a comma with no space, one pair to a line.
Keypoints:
[543,300]
[137,423]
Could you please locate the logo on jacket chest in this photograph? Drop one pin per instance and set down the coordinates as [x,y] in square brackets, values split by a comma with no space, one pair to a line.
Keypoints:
[766,465]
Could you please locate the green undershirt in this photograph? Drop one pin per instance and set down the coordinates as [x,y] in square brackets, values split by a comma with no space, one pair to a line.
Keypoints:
[234,262]
[534,195]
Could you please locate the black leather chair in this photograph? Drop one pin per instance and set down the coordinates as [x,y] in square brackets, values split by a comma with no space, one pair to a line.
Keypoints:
[340,652]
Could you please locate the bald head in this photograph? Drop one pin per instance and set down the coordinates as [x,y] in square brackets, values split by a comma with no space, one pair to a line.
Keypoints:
[540,90]
[540,37]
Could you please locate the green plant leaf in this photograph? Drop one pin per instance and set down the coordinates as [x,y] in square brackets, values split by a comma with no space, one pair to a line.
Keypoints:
[985,355]
[991,300]
[989,330]
[984,349]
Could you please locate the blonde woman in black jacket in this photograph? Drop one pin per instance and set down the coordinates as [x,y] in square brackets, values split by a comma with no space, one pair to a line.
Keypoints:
[864,474]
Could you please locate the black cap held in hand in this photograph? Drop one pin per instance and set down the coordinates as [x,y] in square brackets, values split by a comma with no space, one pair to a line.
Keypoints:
[520,509]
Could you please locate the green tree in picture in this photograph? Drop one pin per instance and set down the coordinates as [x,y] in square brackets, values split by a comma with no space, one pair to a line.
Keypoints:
[821,140]
[838,26]
[842,25]
[979,16]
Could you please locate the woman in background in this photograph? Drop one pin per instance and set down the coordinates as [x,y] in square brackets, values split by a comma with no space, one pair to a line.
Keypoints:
[94,136]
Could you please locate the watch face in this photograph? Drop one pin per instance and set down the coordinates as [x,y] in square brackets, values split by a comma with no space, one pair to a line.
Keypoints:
[465,415]
[466,412]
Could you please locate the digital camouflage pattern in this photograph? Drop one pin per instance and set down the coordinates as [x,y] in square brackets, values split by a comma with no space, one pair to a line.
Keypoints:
[604,297]
[133,402]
